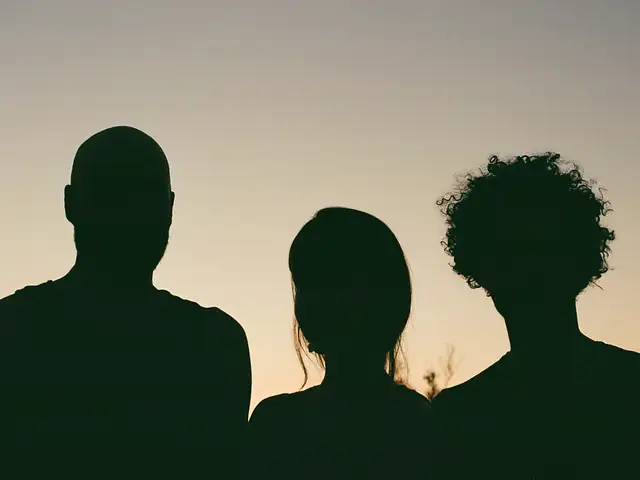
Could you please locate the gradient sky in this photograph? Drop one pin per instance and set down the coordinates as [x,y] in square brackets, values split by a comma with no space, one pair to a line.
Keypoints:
[271,109]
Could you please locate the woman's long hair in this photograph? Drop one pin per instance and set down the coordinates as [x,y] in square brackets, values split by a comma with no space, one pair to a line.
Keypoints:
[351,287]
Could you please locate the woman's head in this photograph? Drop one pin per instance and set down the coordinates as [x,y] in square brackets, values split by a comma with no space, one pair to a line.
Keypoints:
[352,287]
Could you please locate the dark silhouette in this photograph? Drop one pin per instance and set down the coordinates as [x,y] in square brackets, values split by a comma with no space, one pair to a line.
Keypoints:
[352,292]
[436,382]
[528,231]
[102,373]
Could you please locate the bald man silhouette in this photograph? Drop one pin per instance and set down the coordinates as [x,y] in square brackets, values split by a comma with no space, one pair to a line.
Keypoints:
[100,362]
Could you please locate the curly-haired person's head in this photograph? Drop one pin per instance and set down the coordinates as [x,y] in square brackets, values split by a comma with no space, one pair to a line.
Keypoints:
[526,226]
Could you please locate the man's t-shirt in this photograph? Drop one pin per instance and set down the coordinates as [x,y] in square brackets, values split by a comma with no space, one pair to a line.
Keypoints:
[153,373]
[578,421]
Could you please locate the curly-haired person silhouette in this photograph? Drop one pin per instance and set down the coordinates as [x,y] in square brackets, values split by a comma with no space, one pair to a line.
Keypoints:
[528,231]
[101,372]
[352,292]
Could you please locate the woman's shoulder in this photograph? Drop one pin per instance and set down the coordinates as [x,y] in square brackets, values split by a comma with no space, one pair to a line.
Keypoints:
[279,408]
[412,411]
[270,405]
[410,396]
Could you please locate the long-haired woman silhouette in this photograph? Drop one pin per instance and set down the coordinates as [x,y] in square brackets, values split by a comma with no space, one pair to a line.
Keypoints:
[352,292]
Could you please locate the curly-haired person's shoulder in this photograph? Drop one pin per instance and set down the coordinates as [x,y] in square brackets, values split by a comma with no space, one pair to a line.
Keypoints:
[476,394]
[622,364]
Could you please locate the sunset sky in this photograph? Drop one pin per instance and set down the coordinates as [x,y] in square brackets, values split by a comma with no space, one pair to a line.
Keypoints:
[271,109]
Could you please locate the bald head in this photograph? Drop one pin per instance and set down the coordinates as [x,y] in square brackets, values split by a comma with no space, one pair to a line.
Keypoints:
[120,200]
[120,156]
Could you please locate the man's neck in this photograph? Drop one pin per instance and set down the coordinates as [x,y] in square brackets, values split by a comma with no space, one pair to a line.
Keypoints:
[92,278]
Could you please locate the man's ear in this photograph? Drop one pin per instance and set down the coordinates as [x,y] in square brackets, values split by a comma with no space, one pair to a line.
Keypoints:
[69,204]
[171,202]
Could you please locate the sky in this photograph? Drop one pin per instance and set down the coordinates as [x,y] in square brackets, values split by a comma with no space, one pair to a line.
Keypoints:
[269,110]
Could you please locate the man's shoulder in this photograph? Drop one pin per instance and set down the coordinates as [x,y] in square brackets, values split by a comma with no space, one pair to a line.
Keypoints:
[24,298]
[212,316]
[175,302]
[22,305]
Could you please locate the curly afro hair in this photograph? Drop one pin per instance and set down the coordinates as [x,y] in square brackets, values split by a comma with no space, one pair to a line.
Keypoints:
[528,220]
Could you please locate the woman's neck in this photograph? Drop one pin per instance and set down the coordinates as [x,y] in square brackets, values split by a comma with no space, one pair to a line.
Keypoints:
[357,372]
